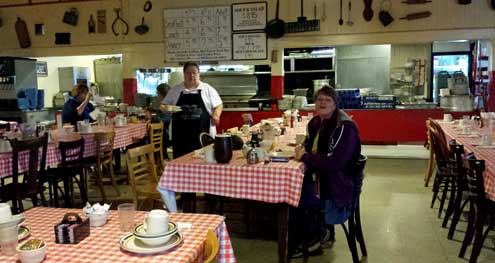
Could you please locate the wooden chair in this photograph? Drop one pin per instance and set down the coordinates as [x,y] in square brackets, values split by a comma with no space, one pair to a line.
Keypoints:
[431,161]
[155,134]
[31,186]
[205,139]
[104,161]
[480,209]
[142,174]
[444,177]
[72,153]
[211,246]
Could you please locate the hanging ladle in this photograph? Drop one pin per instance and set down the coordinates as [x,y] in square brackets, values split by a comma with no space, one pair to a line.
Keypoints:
[143,28]
[341,21]
[349,21]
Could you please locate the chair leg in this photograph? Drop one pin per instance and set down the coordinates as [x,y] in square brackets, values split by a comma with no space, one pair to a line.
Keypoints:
[468,238]
[431,165]
[435,189]
[458,208]
[351,239]
[112,178]
[444,197]
[98,177]
[359,232]
[478,235]
[450,206]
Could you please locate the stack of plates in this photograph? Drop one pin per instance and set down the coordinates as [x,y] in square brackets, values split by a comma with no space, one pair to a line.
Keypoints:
[142,243]
[286,102]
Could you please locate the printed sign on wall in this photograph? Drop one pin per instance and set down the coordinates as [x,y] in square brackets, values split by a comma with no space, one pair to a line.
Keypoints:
[249,16]
[249,46]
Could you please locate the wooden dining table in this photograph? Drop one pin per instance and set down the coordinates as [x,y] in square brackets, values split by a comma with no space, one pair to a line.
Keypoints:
[472,143]
[102,245]
[124,136]
[273,182]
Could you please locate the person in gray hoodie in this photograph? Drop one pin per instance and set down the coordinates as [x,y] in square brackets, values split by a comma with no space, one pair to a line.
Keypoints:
[330,152]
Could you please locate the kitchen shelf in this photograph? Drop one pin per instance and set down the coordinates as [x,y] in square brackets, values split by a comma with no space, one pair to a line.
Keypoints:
[310,71]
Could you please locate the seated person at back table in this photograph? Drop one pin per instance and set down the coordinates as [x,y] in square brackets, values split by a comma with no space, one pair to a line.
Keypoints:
[78,107]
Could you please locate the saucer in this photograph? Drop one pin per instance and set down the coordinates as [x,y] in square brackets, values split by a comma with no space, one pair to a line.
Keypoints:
[285,154]
[141,232]
[24,231]
[131,244]
[15,220]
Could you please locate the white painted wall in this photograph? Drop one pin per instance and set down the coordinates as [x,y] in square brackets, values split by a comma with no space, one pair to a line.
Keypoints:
[50,83]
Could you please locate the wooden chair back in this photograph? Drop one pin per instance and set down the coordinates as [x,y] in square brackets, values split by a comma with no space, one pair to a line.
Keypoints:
[104,147]
[156,140]
[141,168]
[205,139]
[475,169]
[439,144]
[36,167]
[211,246]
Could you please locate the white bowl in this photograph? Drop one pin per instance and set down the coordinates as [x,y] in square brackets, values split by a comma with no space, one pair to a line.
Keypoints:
[96,220]
[155,241]
[31,256]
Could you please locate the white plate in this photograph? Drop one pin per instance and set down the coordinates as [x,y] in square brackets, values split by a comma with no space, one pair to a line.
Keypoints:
[15,220]
[131,244]
[139,230]
[282,154]
[23,232]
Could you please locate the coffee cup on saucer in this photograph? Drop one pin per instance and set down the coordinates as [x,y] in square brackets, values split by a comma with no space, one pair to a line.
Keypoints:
[156,222]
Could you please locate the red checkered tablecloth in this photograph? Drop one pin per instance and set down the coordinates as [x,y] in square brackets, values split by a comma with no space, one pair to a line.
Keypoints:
[273,182]
[124,136]
[103,243]
[470,142]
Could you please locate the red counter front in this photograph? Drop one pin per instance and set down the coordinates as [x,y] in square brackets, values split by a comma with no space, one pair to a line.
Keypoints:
[375,126]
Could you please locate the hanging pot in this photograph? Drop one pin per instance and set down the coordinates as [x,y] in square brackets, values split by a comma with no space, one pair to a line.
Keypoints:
[143,28]
[275,28]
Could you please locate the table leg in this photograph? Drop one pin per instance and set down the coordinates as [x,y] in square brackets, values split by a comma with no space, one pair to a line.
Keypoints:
[283,220]
[116,157]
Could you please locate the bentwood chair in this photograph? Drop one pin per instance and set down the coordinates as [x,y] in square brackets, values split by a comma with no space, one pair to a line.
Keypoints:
[142,174]
[205,139]
[431,160]
[34,150]
[103,162]
[155,134]
[480,209]
[211,246]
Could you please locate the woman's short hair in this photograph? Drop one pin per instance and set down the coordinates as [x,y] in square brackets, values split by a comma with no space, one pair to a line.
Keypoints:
[162,89]
[76,90]
[190,64]
[329,91]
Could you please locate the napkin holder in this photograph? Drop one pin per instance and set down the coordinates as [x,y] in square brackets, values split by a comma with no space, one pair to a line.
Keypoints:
[72,229]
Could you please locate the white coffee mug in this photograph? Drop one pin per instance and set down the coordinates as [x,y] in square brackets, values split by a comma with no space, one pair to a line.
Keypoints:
[156,222]
[300,137]
[5,212]
[210,155]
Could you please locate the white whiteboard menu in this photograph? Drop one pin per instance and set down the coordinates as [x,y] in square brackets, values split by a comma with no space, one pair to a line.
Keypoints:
[249,16]
[198,34]
[248,46]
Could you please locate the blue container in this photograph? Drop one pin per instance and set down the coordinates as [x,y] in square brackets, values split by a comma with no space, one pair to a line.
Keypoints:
[41,99]
[32,96]
[22,103]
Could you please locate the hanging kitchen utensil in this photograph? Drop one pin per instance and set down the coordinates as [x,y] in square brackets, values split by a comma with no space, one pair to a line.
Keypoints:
[384,15]
[341,21]
[143,28]
[1,22]
[349,21]
[324,15]
[414,2]
[125,26]
[71,16]
[418,15]
[147,6]
[91,25]
[464,2]
[101,16]
[302,24]
[368,11]
[22,33]
[276,27]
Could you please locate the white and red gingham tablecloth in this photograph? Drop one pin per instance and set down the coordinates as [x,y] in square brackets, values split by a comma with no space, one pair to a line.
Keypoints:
[103,243]
[272,183]
[470,142]
[124,136]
